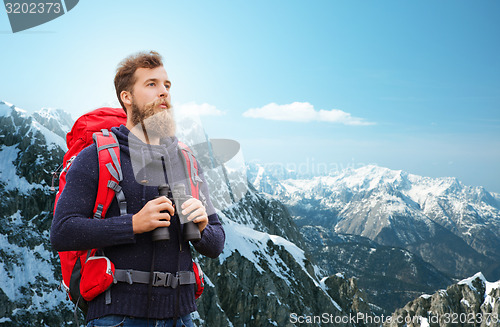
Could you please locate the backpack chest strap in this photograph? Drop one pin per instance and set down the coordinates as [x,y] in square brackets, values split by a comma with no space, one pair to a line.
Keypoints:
[160,279]
[120,196]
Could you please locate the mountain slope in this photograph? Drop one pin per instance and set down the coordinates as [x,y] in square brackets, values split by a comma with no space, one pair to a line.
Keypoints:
[29,285]
[471,302]
[388,275]
[55,120]
[452,226]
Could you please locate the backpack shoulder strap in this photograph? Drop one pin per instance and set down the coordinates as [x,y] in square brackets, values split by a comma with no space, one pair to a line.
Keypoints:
[191,169]
[110,174]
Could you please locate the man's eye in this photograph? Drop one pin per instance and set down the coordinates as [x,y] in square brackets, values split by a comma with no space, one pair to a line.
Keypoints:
[167,86]
[151,84]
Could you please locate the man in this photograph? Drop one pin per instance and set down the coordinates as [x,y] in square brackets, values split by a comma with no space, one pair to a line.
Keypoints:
[143,89]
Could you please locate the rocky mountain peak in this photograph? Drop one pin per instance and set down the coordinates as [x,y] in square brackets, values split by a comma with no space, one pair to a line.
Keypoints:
[55,120]
[471,302]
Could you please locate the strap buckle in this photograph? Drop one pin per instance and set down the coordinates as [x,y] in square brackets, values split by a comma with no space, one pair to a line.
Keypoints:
[161,279]
[165,279]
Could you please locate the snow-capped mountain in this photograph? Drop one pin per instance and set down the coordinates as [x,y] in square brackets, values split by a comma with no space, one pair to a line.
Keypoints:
[450,225]
[29,152]
[55,120]
[471,302]
[262,276]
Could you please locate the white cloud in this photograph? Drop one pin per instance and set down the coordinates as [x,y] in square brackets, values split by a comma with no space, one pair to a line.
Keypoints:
[304,112]
[192,108]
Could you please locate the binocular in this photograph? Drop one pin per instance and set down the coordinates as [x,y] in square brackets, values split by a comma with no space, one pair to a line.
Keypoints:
[191,232]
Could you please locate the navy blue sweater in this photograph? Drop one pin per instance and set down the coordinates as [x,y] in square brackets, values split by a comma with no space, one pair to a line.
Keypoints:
[73,230]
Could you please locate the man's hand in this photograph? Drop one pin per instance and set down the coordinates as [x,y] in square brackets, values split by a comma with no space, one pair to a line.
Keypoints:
[198,212]
[150,216]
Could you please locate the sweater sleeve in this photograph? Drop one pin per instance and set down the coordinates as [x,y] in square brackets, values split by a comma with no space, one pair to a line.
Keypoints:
[213,236]
[73,227]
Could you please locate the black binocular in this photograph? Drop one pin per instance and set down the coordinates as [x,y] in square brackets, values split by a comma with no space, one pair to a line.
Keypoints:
[191,232]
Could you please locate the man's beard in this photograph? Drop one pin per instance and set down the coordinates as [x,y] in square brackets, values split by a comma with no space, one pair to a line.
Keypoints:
[155,122]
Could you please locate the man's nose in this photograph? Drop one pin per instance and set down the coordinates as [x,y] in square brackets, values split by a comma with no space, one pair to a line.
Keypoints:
[163,91]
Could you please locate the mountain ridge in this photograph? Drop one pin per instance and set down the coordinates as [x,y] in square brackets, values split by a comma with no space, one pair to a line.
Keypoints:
[471,302]
[396,208]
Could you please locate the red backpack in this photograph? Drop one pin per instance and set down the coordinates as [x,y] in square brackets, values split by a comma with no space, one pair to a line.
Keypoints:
[84,274]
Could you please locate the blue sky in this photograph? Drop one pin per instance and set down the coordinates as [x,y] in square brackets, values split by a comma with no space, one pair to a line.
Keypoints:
[405,85]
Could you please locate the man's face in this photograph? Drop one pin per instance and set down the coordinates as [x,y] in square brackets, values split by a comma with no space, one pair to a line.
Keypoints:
[150,102]
[151,85]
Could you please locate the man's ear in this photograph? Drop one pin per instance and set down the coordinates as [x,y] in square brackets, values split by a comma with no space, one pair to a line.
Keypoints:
[126,98]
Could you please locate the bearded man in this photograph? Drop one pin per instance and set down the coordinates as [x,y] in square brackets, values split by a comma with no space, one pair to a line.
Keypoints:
[143,90]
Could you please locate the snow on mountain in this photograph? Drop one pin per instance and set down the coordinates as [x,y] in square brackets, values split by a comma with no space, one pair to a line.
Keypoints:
[8,175]
[396,208]
[12,115]
[401,193]
[471,302]
[250,244]
[32,264]
[489,286]
[491,292]
[6,109]
[56,120]
[25,143]
[52,139]
[29,152]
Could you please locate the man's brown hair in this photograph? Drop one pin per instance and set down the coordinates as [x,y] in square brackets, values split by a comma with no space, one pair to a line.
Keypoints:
[124,78]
